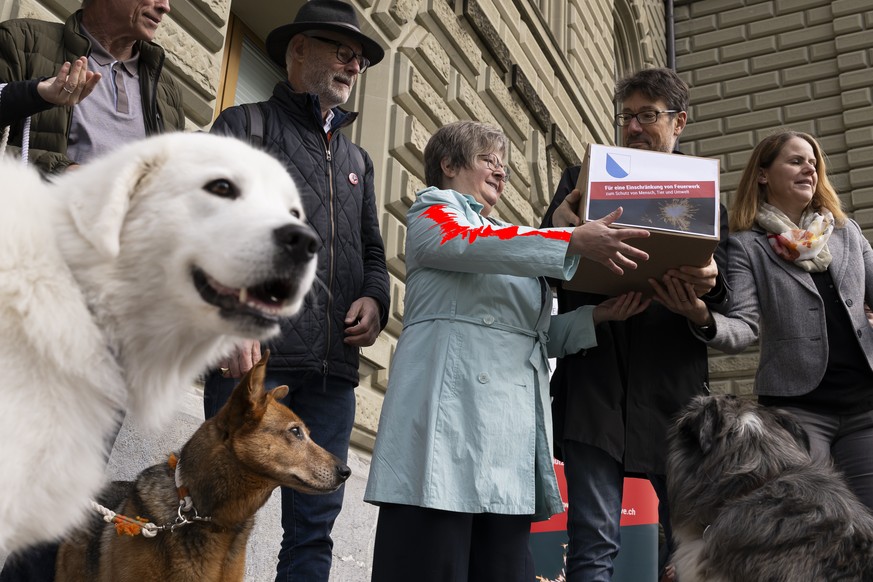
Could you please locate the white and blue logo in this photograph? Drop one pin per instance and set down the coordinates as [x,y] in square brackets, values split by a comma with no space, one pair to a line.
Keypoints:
[618,165]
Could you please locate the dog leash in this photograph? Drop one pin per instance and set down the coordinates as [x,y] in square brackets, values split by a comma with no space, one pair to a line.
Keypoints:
[185,502]
[132,526]
[125,525]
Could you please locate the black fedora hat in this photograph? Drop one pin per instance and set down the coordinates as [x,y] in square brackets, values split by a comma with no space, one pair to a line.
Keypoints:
[322,15]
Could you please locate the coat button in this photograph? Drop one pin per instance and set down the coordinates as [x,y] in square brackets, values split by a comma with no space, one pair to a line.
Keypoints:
[849,302]
[488,319]
[860,333]
[483,378]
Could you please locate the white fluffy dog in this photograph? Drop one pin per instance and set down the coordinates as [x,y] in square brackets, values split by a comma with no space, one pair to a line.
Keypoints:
[120,282]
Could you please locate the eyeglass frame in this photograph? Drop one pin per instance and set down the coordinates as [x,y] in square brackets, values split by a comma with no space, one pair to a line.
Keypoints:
[494,166]
[624,119]
[363,62]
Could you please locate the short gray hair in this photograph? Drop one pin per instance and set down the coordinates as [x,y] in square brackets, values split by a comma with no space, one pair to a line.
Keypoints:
[460,142]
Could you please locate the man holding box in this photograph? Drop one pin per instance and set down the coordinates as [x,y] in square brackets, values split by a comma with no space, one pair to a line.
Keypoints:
[613,403]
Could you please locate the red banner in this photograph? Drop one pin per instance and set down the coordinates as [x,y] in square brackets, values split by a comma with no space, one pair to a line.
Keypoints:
[647,190]
[639,504]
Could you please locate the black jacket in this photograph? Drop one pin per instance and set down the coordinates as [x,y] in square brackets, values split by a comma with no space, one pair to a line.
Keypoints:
[621,395]
[336,184]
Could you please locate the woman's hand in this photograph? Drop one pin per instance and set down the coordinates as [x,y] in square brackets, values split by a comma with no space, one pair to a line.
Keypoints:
[595,240]
[621,307]
[73,83]
[680,297]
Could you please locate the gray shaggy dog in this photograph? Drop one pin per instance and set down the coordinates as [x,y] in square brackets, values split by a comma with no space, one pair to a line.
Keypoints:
[748,504]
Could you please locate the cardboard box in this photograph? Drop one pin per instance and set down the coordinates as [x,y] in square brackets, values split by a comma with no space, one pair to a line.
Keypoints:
[674,197]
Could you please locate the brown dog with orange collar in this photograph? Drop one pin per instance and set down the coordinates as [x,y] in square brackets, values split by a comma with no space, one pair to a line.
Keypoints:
[191,521]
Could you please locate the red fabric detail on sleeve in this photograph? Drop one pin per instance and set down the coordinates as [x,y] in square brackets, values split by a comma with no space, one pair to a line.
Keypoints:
[451,229]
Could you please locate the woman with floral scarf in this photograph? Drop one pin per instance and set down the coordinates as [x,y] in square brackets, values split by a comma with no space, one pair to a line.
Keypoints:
[800,274]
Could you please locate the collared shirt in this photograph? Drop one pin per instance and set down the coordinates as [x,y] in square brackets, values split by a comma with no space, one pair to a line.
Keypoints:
[335,117]
[112,114]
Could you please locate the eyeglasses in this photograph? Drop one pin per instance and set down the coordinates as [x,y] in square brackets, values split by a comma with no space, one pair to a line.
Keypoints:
[495,166]
[345,53]
[643,117]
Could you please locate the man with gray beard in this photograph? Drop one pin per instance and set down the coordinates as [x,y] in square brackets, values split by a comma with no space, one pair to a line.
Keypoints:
[324,52]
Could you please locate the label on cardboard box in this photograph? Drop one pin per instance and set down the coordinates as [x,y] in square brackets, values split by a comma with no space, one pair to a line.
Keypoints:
[674,197]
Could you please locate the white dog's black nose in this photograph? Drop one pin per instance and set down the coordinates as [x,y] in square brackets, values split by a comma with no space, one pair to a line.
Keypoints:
[298,241]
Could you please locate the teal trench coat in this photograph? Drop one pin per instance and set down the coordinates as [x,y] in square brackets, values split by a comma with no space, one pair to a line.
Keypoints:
[466,421]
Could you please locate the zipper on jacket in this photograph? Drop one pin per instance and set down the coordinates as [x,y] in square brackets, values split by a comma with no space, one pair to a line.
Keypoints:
[332,224]
[157,123]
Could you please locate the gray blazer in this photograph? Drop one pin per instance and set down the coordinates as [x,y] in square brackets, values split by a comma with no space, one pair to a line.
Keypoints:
[778,301]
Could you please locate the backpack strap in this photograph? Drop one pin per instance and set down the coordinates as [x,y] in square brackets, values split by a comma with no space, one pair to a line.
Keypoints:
[254,123]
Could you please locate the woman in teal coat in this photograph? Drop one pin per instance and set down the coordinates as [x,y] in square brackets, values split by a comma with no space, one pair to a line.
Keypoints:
[462,461]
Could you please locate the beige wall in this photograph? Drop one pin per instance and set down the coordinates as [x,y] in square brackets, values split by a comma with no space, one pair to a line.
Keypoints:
[756,66]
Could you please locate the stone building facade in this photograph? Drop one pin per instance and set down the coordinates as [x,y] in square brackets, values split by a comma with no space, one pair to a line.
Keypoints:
[543,70]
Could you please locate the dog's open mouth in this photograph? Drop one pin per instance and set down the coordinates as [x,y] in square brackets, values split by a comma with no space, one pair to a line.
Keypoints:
[264,301]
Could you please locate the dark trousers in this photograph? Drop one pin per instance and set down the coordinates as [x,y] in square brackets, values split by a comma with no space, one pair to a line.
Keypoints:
[328,409]
[430,545]
[846,440]
[595,484]
[665,552]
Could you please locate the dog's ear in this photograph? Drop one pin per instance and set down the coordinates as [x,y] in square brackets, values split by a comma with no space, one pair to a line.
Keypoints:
[99,204]
[279,392]
[254,393]
[248,399]
[255,378]
[790,423]
[710,423]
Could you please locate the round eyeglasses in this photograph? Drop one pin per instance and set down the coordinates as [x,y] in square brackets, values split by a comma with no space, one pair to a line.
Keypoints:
[344,53]
[494,165]
[643,117]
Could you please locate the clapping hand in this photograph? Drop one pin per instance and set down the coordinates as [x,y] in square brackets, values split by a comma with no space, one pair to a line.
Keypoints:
[71,85]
